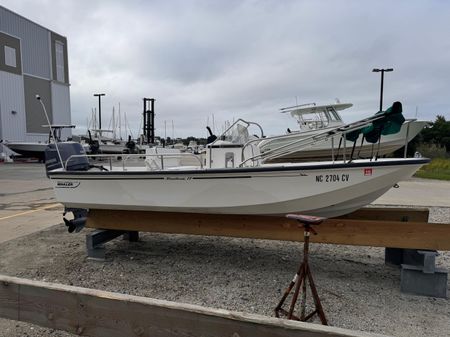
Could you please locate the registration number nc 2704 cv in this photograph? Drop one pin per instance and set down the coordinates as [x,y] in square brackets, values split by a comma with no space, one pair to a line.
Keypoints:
[331,178]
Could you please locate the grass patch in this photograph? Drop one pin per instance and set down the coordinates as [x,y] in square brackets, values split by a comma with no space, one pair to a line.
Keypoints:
[438,168]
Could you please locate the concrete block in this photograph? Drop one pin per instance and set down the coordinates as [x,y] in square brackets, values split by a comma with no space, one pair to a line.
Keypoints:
[132,236]
[393,256]
[96,254]
[399,256]
[415,281]
[95,242]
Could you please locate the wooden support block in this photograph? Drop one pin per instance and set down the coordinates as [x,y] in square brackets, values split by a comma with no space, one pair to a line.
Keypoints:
[9,305]
[388,230]
[95,313]
[419,214]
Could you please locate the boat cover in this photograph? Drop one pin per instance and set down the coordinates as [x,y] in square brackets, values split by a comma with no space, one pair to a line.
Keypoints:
[391,123]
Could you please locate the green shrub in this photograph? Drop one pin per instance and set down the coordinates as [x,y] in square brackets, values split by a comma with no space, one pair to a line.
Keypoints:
[438,168]
[432,151]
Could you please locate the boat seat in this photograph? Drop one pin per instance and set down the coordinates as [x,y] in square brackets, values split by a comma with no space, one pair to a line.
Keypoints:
[306,219]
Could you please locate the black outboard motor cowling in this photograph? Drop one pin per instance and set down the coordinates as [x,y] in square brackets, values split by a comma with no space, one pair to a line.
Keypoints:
[66,149]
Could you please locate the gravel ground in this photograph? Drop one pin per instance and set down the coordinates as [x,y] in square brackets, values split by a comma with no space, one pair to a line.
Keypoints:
[357,290]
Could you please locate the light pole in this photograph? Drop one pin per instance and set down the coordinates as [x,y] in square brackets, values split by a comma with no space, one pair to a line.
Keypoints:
[99,109]
[376,70]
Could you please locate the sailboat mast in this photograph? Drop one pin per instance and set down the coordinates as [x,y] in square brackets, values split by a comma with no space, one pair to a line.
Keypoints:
[114,123]
[120,124]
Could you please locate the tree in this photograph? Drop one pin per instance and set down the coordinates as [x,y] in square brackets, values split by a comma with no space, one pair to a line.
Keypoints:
[438,133]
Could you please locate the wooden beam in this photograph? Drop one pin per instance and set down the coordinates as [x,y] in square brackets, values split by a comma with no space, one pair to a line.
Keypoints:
[417,214]
[95,313]
[389,229]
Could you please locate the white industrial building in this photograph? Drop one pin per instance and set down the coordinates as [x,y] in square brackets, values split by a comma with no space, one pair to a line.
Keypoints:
[33,60]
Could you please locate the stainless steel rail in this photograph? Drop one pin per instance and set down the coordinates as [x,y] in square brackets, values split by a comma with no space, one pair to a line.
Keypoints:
[299,144]
[126,157]
[209,146]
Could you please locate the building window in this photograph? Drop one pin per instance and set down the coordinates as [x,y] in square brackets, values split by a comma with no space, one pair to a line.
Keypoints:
[10,57]
[59,53]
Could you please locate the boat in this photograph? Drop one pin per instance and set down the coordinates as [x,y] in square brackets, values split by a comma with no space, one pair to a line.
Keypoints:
[37,149]
[233,178]
[314,119]
[106,145]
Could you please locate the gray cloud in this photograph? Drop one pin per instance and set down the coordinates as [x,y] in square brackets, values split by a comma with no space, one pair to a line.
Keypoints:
[249,58]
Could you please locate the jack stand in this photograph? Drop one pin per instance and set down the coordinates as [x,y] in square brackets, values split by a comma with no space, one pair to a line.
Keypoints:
[303,274]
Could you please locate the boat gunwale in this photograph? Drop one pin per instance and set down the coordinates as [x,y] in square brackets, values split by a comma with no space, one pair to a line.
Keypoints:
[239,170]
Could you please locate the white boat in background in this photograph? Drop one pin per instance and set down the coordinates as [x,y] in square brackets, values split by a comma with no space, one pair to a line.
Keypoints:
[37,149]
[6,154]
[106,145]
[314,119]
[234,178]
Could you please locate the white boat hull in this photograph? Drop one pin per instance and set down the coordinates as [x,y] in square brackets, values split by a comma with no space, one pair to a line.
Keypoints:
[113,148]
[28,149]
[322,189]
[322,150]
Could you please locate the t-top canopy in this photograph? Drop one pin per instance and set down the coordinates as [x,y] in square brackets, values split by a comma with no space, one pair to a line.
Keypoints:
[300,110]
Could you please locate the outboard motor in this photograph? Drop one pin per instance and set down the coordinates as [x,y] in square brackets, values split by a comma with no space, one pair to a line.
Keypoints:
[131,145]
[212,137]
[94,145]
[66,149]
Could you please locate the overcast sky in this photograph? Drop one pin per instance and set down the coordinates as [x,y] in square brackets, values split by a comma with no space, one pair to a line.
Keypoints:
[248,59]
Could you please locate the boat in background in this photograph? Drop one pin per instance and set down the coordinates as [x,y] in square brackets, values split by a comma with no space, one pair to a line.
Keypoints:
[234,178]
[314,119]
[99,144]
[37,149]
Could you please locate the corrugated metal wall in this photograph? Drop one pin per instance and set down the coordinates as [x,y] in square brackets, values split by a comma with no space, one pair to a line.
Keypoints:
[35,115]
[36,61]
[34,40]
[61,107]
[12,99]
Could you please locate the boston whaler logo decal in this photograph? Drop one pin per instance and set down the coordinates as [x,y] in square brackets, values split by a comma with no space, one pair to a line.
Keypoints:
[67,184]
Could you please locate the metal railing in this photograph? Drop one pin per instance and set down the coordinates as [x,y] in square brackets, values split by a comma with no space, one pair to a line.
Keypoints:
[222,136]
[125,157]
[299,144]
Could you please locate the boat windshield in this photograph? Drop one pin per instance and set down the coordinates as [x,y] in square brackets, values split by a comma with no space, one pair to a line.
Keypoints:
[313,120]
[238,133]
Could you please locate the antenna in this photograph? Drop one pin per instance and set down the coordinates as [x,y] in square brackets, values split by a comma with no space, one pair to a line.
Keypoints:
[51,129]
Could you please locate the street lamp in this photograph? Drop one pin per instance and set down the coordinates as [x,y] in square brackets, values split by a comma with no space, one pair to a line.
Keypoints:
[99,110]
[376,70]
